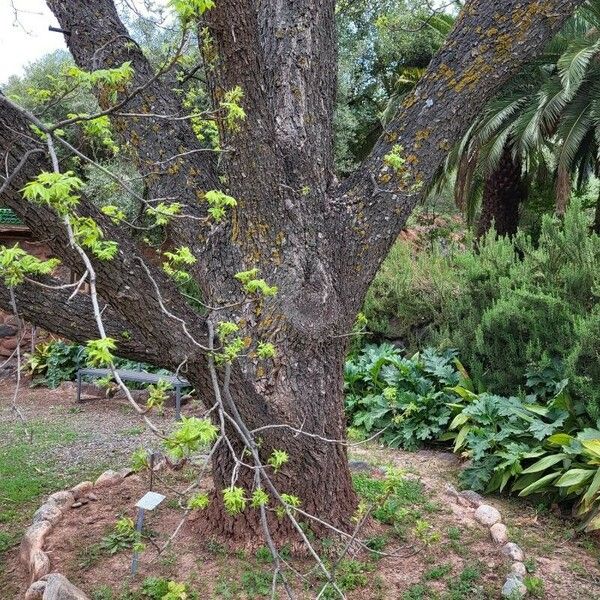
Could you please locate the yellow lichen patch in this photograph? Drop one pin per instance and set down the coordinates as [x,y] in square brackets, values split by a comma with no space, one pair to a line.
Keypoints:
[384,177]
[504,44]
[446,72]
[412,159]
[471,77]
[492,32]
[391,137]
[420,137]
[410,100]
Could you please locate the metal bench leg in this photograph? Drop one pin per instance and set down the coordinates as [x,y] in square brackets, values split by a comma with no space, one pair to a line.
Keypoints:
[178,403]
[78,387]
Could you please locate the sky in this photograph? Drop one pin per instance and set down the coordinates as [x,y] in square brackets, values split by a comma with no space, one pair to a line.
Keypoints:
[24,36]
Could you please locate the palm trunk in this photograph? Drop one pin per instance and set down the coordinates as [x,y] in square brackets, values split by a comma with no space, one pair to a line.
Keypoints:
[503,194]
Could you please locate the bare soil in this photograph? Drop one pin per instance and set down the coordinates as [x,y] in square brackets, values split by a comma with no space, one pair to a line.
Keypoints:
[568,564]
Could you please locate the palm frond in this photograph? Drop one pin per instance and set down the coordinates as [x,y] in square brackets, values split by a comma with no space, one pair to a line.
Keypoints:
[573,64]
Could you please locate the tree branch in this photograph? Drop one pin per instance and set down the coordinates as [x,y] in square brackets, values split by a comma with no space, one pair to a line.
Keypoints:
[483,51]
[121,282]
[69,317]
[99,40]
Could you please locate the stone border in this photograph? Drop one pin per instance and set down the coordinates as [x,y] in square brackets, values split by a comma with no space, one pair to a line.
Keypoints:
[490,517]
[44,585]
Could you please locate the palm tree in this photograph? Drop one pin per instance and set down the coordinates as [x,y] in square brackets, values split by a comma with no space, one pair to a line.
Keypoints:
[544,127]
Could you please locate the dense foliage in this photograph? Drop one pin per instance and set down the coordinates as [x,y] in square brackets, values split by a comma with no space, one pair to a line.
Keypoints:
[533,443]
[510,306]
[404,397]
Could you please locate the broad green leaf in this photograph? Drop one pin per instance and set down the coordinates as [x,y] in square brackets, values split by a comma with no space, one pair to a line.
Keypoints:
[574,477]
[592,490]
[560,439]
[459,419]
[592,446]
[539,484]
[544,463]
[460,438]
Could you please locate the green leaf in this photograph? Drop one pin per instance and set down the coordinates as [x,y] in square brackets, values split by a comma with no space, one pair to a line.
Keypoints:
[234,499]
[460,438]
[560,439]
[592,446]
[459,419]
[539,484]
[574,477]
[544,463]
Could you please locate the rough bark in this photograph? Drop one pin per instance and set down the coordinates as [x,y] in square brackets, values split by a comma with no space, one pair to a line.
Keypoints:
[321,245]
[503,194]
[57,312]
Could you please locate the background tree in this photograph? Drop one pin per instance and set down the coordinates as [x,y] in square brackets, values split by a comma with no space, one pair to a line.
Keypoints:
[538,137]
[319,242]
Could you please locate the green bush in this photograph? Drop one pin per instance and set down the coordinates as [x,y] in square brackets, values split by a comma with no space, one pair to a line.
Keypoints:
[521,328]
[508,306]
[409,295]
[584,363]
[406,398]
[532,444]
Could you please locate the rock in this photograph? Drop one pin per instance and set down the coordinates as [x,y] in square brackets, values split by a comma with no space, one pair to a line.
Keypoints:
[518,569]
[77,504]
[499,533]
[81,489]
[451,490]
[35,591]
[47,512]
[33,540]
[513,551]
[62,499]
[487,515]
[513,589]
[58,587]
[126,472]
[473,498]
[91,496]
[39,565]
[108,478]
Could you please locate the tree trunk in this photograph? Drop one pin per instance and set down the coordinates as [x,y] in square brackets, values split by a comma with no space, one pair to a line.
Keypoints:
[503,194]
[563,191]
[596,225]
[319,242]
[308,398]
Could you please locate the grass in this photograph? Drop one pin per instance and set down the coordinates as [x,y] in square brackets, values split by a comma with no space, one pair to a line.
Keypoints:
[25,470]
[28,472]
[464,586]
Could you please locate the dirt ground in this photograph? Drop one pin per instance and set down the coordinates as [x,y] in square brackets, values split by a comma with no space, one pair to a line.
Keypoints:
[108,432]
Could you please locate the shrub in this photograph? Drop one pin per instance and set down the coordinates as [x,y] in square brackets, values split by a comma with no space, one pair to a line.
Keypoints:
[410,293]
[584,363]
[404,397]
[509,306]
[513,443]
[521,328]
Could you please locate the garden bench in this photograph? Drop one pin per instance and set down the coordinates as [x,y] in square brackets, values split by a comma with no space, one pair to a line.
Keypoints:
[139,377]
